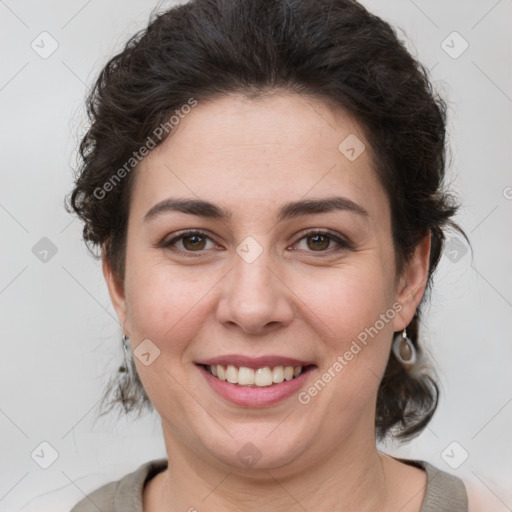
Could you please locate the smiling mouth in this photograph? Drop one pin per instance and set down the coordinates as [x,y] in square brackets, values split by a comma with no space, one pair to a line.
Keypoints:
[260,377]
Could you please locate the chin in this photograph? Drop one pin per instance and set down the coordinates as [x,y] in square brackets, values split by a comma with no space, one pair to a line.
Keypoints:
[263,446]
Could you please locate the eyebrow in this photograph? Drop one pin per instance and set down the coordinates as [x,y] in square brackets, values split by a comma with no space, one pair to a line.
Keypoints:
[287,211]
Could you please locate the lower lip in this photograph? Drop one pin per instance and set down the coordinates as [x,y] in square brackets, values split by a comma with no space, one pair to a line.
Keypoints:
[255,396]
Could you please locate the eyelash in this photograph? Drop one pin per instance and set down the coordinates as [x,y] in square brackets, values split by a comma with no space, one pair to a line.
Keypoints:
[343,244]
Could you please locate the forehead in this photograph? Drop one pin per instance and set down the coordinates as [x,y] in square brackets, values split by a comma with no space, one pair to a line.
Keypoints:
[251,155]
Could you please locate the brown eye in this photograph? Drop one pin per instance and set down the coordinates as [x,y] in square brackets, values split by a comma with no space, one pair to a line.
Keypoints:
[318,242]
[194,242]
[189,242]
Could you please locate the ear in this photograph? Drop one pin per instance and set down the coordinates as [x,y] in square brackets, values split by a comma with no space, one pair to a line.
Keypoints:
[412,284]
[115,290]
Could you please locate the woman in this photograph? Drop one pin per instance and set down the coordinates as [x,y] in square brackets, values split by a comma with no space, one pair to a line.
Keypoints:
[265,182]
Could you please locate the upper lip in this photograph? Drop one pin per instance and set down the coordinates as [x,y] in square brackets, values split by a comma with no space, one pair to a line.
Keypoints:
[254,362]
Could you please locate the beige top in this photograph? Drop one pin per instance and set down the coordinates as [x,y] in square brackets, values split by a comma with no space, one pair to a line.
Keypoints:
[444,492]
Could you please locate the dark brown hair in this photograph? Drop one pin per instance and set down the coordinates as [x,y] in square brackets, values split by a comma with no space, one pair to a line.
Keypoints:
[333,49]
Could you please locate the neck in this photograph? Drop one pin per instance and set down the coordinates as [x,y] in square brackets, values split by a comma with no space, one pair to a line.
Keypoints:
[351,477]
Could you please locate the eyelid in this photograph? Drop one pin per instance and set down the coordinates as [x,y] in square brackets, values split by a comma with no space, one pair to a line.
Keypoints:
[343,243]
[167,244]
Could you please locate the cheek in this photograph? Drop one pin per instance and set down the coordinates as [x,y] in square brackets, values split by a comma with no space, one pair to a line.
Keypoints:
[353,309]
[346,300]
[165,310]
[163,304]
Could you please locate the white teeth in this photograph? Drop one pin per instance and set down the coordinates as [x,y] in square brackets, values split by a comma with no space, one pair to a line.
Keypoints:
[263,376]
[260,377]
[232,374]
[278,374]
[221,372]
[288,372]
[245,376]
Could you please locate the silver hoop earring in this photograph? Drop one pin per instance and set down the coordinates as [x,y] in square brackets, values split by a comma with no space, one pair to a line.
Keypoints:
[404,349]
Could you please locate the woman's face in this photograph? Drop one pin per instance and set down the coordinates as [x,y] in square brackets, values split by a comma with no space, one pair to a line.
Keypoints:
[257,288]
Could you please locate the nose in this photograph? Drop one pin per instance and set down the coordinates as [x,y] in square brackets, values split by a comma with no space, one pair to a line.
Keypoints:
[255,297]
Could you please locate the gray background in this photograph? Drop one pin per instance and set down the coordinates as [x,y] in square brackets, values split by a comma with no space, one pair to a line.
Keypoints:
[60,340]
